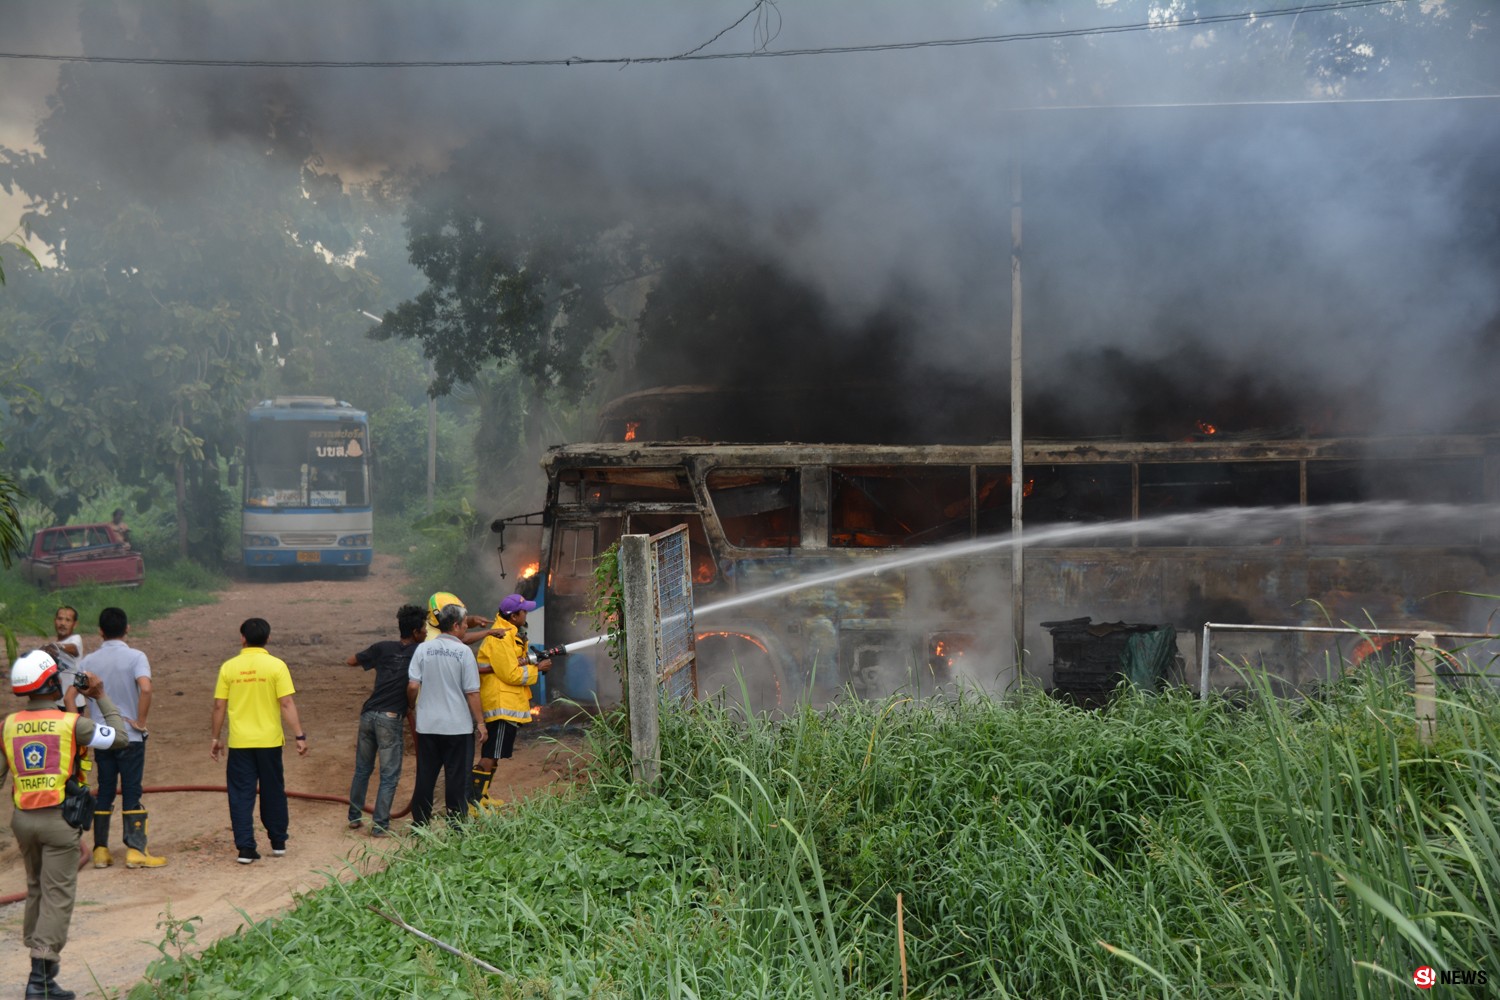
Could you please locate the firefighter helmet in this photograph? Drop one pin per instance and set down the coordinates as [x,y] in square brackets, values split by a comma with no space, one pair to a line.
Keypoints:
[438,602]
[35,673]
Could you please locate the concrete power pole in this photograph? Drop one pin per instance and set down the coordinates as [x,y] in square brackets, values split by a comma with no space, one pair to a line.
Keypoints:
[1017,465]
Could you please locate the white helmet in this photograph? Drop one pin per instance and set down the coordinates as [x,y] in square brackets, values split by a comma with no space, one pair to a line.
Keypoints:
[32,673]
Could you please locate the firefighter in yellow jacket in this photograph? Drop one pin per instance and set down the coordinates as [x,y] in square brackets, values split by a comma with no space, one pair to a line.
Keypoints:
[42,746]
[506,674]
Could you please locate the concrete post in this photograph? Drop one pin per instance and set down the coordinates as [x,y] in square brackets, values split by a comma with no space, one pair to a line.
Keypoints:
[641,684]
[1424,659]
[1017,437]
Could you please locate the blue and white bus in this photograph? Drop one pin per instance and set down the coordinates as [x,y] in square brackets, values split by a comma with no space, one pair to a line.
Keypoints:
[307,485]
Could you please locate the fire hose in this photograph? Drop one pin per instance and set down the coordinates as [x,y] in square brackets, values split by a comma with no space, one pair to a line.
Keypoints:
[535,654]
[83,851]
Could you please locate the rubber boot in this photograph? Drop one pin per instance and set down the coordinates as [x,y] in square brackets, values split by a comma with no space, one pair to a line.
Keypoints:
[136,855]
[42,983]
[479,783]
[101,839]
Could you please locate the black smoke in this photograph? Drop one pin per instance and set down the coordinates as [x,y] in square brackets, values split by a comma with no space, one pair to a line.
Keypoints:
[1198,255]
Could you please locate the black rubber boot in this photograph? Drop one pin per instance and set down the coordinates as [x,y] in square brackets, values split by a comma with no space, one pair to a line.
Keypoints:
[136,855]
[101,828]
[479,783]
[42,984]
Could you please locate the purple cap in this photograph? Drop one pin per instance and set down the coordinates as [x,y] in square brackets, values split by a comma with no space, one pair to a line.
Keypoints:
[514,603]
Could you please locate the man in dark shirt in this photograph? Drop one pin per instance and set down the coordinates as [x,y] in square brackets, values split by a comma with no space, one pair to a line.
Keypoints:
[380,719]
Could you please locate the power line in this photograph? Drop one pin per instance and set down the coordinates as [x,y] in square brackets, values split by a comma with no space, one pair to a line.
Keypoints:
[698,56]
[753,10]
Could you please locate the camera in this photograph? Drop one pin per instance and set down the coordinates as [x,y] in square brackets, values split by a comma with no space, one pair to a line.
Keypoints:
[82,680]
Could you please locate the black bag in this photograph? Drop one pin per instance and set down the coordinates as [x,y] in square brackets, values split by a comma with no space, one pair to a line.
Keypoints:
[78,803]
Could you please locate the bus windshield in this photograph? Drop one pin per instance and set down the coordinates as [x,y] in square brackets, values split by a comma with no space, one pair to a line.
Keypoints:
[312,463]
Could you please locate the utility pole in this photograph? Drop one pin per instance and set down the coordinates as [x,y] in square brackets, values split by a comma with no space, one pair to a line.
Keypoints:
[1017,465]
[431,423]
[431,438]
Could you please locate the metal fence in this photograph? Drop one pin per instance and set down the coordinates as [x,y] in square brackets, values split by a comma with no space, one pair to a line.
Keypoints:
[1424,662]
[672,588]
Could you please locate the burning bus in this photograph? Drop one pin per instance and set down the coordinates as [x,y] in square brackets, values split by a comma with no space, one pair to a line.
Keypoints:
[888,565]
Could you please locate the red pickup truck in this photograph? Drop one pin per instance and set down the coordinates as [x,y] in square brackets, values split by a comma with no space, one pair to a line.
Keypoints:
[71,554]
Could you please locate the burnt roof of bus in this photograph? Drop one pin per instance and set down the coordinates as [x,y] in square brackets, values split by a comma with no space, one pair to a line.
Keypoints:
[674,453]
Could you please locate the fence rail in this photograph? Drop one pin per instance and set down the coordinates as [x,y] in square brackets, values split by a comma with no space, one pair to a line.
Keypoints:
[1424,660]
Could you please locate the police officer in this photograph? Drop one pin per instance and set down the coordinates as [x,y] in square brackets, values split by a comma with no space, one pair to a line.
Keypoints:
[42,744]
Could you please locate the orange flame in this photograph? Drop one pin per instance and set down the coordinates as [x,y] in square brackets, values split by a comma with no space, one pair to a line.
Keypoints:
[536,711]
[631,426]
[530,570]
[1204,427]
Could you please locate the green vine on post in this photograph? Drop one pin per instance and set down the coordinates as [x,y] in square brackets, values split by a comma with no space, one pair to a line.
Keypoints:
[607,612]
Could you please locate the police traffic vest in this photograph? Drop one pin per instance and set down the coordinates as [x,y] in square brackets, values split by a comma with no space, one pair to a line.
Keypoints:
[40,748]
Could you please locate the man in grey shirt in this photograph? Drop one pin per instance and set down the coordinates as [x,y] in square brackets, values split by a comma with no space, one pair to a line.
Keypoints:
[126,675]
[443,690]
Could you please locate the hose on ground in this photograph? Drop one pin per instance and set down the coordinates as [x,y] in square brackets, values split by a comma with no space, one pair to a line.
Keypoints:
[84,854]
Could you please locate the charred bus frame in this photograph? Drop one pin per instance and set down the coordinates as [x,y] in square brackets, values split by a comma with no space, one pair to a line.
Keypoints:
[759,514]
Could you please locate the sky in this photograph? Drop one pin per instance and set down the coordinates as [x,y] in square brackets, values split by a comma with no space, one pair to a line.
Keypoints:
[1195,233]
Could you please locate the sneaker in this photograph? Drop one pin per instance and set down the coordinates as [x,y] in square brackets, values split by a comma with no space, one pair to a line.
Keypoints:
[278,850]
[248,855]
[355,824]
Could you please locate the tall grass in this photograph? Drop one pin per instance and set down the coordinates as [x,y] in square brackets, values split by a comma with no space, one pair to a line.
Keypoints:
[1163,848]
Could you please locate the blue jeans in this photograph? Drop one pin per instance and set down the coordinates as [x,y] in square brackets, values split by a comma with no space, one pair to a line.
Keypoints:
[248,768]
[125,767]
[380,734]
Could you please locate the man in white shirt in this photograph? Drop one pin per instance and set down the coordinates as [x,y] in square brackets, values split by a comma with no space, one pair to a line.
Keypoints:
[126,675]
[443,689]
[66,650]
[68,644]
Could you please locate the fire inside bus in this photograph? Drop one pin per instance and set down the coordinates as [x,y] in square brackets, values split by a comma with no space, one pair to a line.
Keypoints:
[307,485]
[764,515]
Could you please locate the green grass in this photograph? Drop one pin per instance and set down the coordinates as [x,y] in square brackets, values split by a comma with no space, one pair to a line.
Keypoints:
[28,610]
[1164,848]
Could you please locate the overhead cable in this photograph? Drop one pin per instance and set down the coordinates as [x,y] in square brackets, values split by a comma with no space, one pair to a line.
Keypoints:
[699,56]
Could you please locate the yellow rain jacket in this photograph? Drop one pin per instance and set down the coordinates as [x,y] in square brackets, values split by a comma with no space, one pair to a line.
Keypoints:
[505,692]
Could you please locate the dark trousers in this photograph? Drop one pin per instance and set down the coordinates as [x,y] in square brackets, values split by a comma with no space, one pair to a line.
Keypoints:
[125,767]
[248,768]
[452,755]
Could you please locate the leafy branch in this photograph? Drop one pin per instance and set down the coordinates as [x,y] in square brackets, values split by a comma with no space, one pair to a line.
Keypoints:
[16,242]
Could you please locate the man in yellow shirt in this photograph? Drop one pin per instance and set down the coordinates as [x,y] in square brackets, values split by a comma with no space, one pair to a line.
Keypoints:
[255,690]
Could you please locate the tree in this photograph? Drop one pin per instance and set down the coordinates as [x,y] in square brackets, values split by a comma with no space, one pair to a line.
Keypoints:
[189,271]
[518,303]
[12,537]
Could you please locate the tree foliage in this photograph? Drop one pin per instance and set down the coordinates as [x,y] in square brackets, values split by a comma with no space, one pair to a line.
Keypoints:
[191,271]
[511,279]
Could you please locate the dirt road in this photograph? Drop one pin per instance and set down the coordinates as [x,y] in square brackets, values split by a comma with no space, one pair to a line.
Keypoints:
[315,625]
